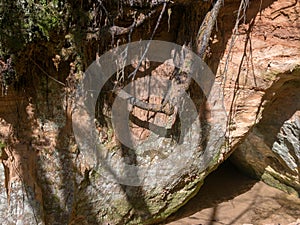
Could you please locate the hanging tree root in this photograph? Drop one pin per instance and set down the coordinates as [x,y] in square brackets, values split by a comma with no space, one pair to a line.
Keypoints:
[203,37]
[206,28]
[176,91]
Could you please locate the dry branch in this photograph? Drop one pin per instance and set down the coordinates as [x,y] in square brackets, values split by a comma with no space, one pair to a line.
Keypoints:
[117,30]
[45,73]
[158,108]
[161,131]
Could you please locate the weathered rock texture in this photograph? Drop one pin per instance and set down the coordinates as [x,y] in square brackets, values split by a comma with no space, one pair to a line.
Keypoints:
[262,88]
[45,179]
[271,149]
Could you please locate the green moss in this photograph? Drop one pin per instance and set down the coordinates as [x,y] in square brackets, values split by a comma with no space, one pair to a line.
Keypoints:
[110,134]
[272,181]
[190,190]
[2,145]
[122,207]
[270,76]
[177,200]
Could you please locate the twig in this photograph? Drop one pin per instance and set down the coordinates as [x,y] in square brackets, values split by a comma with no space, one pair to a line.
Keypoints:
[158,108]
[151,4]
[116,30]
[161,131]
[52,78]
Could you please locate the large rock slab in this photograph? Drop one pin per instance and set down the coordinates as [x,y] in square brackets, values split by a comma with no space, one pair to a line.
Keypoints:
[271,150]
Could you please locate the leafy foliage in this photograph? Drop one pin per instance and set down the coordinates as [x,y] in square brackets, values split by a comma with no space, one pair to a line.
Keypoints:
[24,21]
[7,74]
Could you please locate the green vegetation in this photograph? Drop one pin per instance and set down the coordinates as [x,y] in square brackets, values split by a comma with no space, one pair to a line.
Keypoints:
[2,145]
[271,180]
[24,21]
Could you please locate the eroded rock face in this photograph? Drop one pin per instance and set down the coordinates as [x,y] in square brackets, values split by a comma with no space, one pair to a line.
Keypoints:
[271,149]
[254,58]
[65,189]
[21,199]
[262,88]
[163,171]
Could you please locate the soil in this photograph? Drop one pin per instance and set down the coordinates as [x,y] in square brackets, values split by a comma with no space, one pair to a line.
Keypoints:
[230,197]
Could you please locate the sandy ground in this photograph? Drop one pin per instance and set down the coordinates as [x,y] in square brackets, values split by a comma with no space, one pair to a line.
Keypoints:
[229,197]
